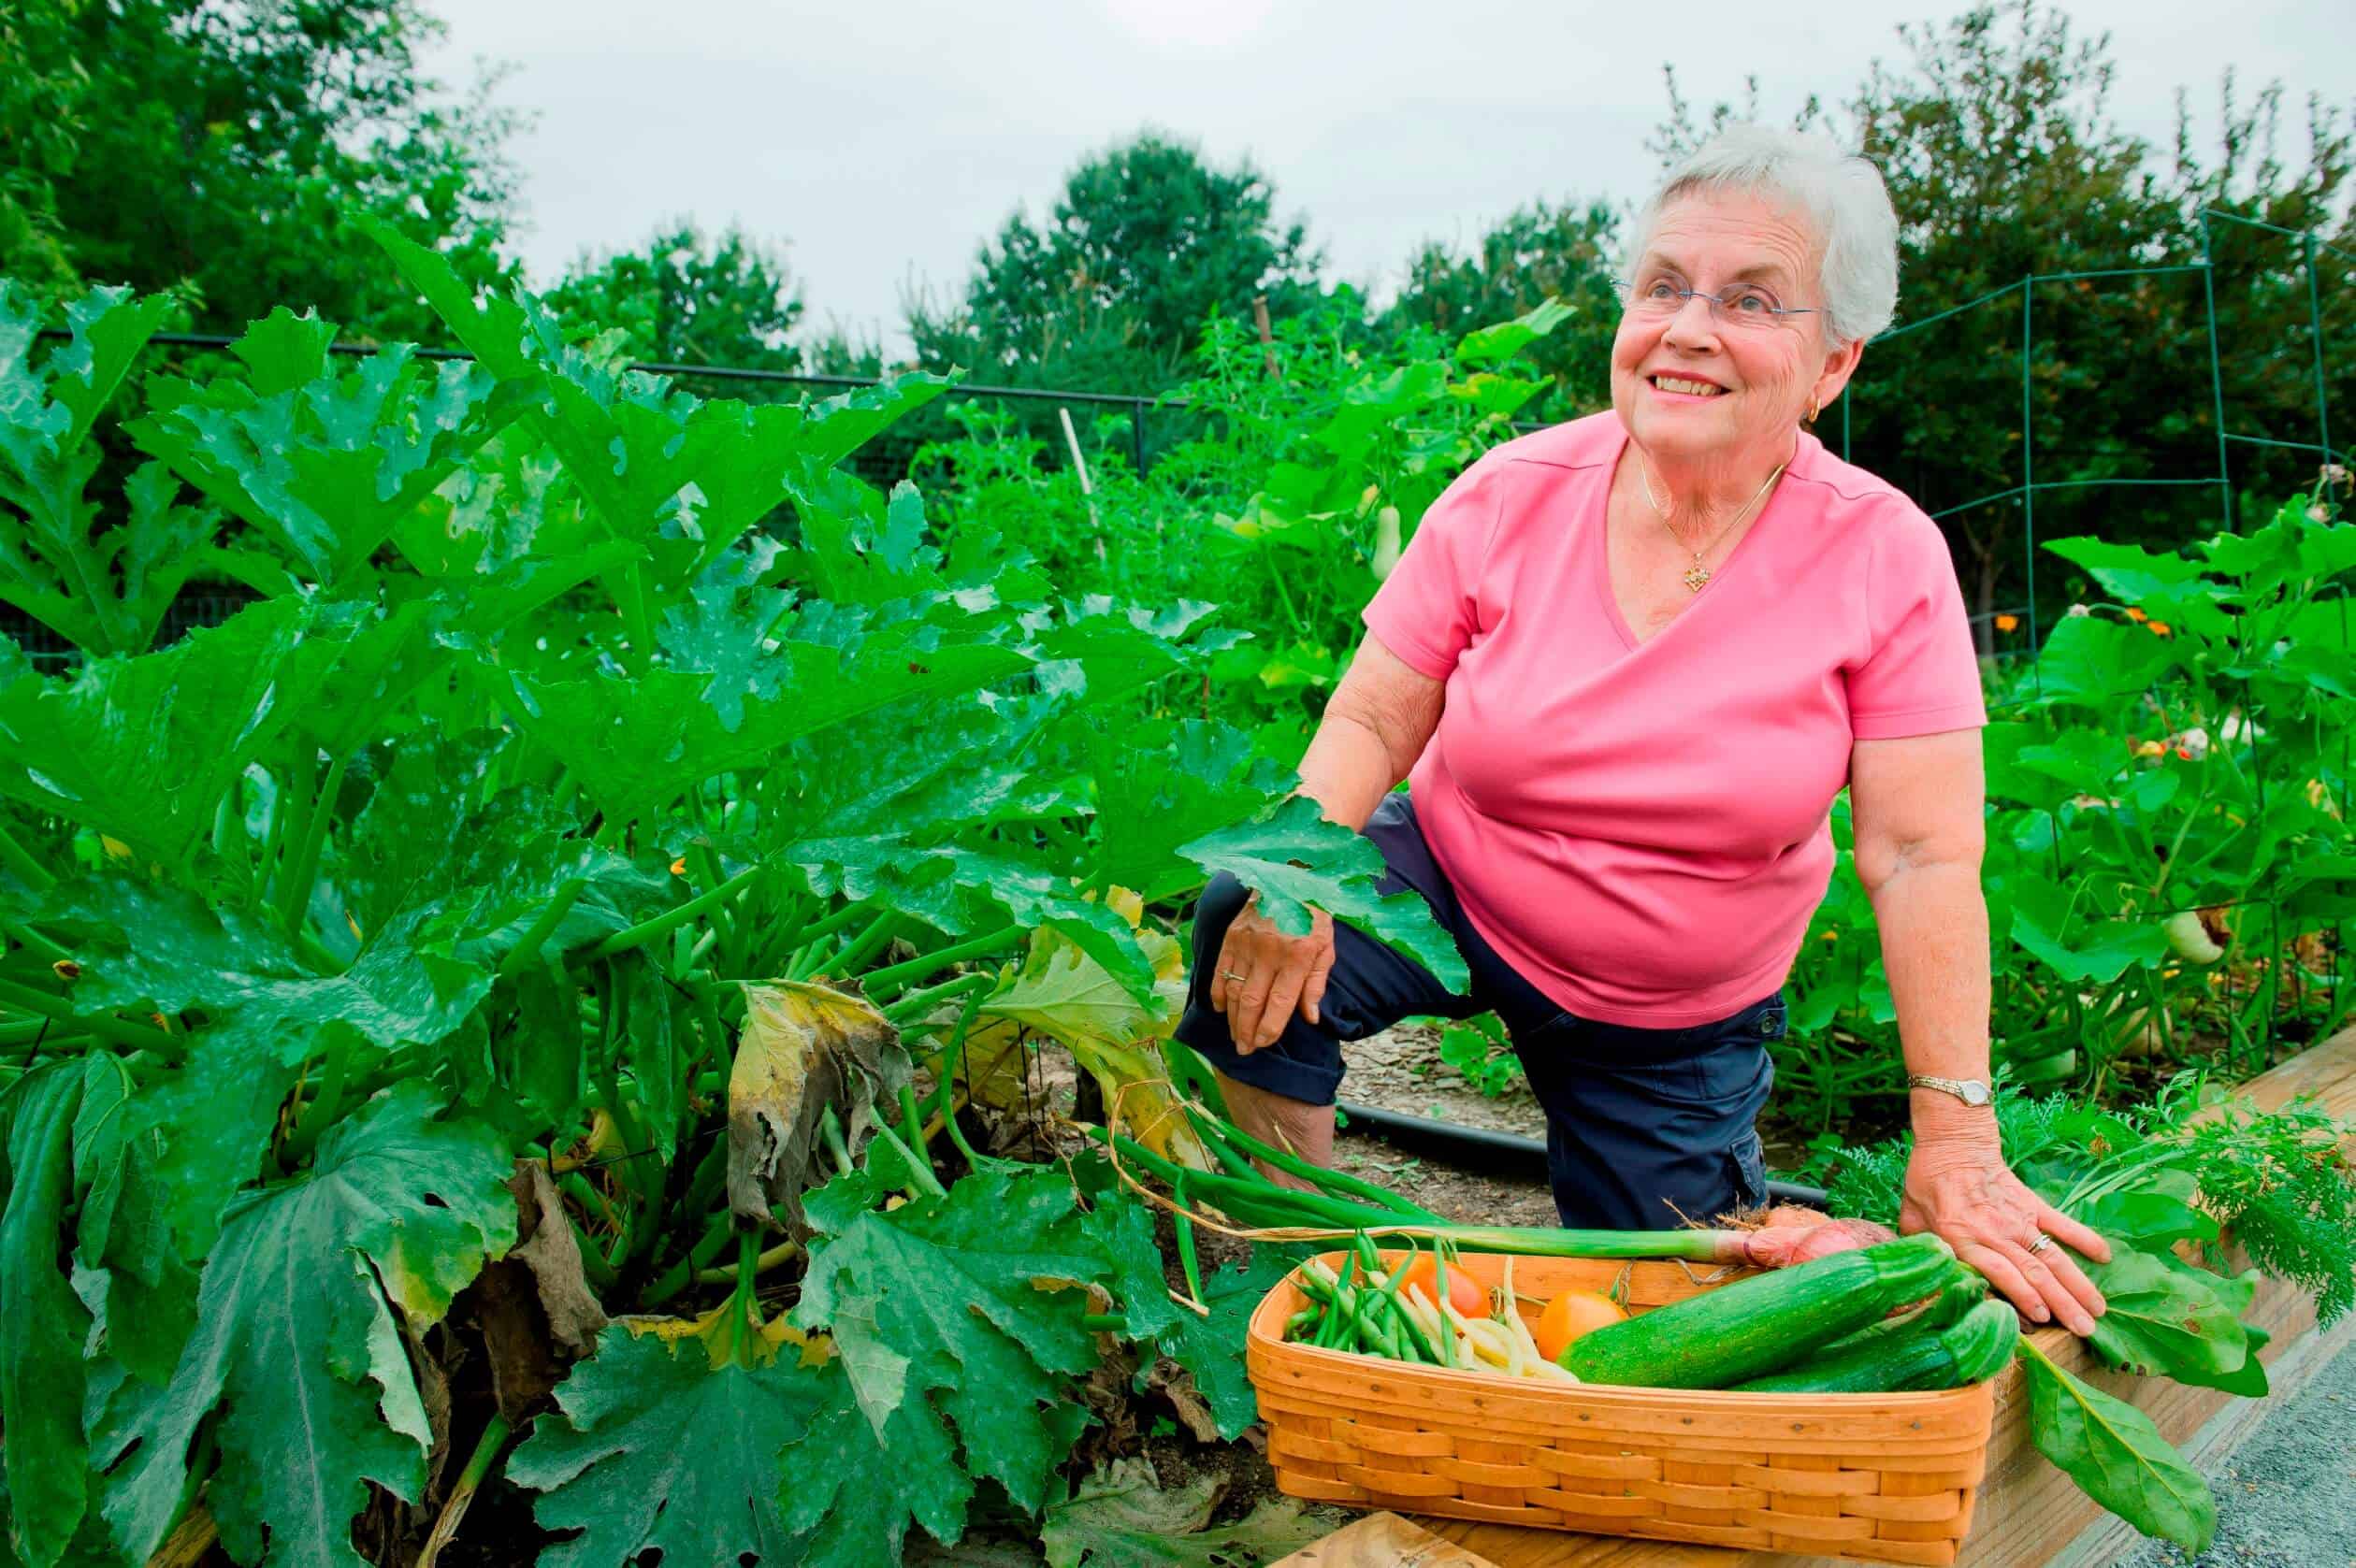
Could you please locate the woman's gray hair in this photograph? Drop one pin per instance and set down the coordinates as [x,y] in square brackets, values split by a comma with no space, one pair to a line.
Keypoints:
[1840,194]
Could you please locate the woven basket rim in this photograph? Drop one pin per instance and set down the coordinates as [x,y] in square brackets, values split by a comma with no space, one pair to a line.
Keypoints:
[1265,1333]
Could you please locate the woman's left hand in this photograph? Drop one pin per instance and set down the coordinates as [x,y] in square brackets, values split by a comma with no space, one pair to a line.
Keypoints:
[1962,1189]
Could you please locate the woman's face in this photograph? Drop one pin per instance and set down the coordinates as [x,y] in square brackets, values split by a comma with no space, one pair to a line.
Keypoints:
[1764,375]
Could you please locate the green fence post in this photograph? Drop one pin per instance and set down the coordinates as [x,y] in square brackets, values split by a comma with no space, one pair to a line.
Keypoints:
[2216,371]
[2315,322]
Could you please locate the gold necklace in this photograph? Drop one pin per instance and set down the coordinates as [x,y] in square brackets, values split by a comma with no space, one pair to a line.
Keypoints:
[1697,577]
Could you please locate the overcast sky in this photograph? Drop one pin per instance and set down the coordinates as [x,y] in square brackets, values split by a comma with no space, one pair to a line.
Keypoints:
[884,140]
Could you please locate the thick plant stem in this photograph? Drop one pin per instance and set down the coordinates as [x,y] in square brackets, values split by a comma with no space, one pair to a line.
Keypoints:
[860,948]
[290,822]
[691,1267]
[921,1181]
[20,859]
[478,1469]
[113,1030]
[647,930]
[914,1004]
[912,1125]
[536,936]
[805,940]
[295,897]
[776,1257]
[320,1113]
[917,968]
[47,950]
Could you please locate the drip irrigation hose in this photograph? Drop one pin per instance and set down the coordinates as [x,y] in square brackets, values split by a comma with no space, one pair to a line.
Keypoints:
[1504,1152]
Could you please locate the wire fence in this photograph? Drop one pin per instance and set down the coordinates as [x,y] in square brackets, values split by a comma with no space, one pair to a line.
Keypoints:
[2288,949]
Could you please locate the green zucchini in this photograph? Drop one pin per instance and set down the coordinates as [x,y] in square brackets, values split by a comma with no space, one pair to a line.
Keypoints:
[1973,1347]
[1959,1298]
[1750,1328]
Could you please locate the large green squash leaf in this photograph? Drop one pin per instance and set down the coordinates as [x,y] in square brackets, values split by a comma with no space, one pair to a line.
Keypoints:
[398,1211]
[943,1312]
[40,1354]
[325,464]
[56,558]
[127,1267]
[858,1475]
[636,744]
[143,748]
[660,1449]
[677,477]
[1293,857]
[1162,785]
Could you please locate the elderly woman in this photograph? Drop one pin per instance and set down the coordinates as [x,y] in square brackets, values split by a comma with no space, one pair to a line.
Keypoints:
[1625,665]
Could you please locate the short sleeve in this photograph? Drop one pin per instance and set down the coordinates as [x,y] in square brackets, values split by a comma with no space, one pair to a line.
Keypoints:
[1427,610]
[1921,674]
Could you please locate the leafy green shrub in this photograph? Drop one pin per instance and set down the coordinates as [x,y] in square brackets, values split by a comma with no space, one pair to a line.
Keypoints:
[514,928]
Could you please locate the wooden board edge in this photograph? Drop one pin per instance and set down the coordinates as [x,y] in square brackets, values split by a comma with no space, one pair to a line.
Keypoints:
[1384,1540]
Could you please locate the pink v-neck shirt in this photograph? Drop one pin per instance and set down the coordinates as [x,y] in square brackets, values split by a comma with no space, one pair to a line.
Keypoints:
[1641,829]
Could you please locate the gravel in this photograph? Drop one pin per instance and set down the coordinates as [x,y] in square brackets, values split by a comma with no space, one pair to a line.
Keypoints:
[2286,1497]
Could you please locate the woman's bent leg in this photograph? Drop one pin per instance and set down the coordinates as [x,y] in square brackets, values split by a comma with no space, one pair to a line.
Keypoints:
[1647,1129]
[1283,1093]
[1286,1123]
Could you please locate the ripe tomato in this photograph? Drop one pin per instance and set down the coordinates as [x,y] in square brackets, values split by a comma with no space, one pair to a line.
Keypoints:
[1464,1293]
[1570,1315]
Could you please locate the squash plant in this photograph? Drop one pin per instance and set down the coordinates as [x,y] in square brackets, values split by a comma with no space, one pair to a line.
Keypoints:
[2168,790]
[463,994]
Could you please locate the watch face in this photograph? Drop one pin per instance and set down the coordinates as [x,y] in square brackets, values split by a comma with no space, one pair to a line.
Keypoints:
[1974,1092]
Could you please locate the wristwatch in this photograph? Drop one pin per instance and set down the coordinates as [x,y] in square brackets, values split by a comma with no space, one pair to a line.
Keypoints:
[1972,1091]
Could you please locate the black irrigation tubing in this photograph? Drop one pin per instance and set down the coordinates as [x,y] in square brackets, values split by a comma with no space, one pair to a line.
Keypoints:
[1509,1151]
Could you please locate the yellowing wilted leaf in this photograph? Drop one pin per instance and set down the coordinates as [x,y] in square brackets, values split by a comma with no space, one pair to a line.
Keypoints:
[1061,992]
[804,1048]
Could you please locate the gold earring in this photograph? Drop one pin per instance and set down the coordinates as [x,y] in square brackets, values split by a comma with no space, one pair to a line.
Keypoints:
[1816,407]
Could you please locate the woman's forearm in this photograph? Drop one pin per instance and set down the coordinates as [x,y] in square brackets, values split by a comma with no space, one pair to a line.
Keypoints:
[1348,769]
[1933,921]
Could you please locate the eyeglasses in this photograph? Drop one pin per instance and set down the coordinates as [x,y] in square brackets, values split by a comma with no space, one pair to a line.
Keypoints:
[1745,305]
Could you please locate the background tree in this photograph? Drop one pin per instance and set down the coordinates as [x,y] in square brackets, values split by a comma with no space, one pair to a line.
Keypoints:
[1538,253]
[1110,293]
[682,299]
[222,146]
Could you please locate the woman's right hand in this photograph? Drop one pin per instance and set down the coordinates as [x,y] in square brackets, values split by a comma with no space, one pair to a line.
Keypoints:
[1262,975]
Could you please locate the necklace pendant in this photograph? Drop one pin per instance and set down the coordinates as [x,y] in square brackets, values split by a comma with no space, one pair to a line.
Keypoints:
[1697,576]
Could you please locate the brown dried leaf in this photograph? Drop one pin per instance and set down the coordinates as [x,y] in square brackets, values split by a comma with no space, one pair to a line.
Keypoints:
[553,1254]
[804,1048]
[1175,1384]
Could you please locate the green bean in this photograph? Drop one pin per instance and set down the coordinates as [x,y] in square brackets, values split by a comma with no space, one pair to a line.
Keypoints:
[1331,1181]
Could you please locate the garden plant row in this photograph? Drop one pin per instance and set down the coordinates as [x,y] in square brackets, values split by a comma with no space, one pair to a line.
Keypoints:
[496,1011]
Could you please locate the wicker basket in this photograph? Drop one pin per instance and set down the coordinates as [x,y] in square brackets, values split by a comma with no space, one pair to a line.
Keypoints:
[1887,1477]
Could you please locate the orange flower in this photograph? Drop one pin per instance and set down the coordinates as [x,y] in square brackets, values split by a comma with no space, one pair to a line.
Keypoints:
[2185,752]
[2135,614]
[2159,628]
[2006,623]
[679,866]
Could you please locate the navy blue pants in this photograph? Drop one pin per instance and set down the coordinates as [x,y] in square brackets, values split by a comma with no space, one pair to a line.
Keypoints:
[1645,1127]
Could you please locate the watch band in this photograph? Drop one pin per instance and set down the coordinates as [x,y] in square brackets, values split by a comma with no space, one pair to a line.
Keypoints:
[1972,1091]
